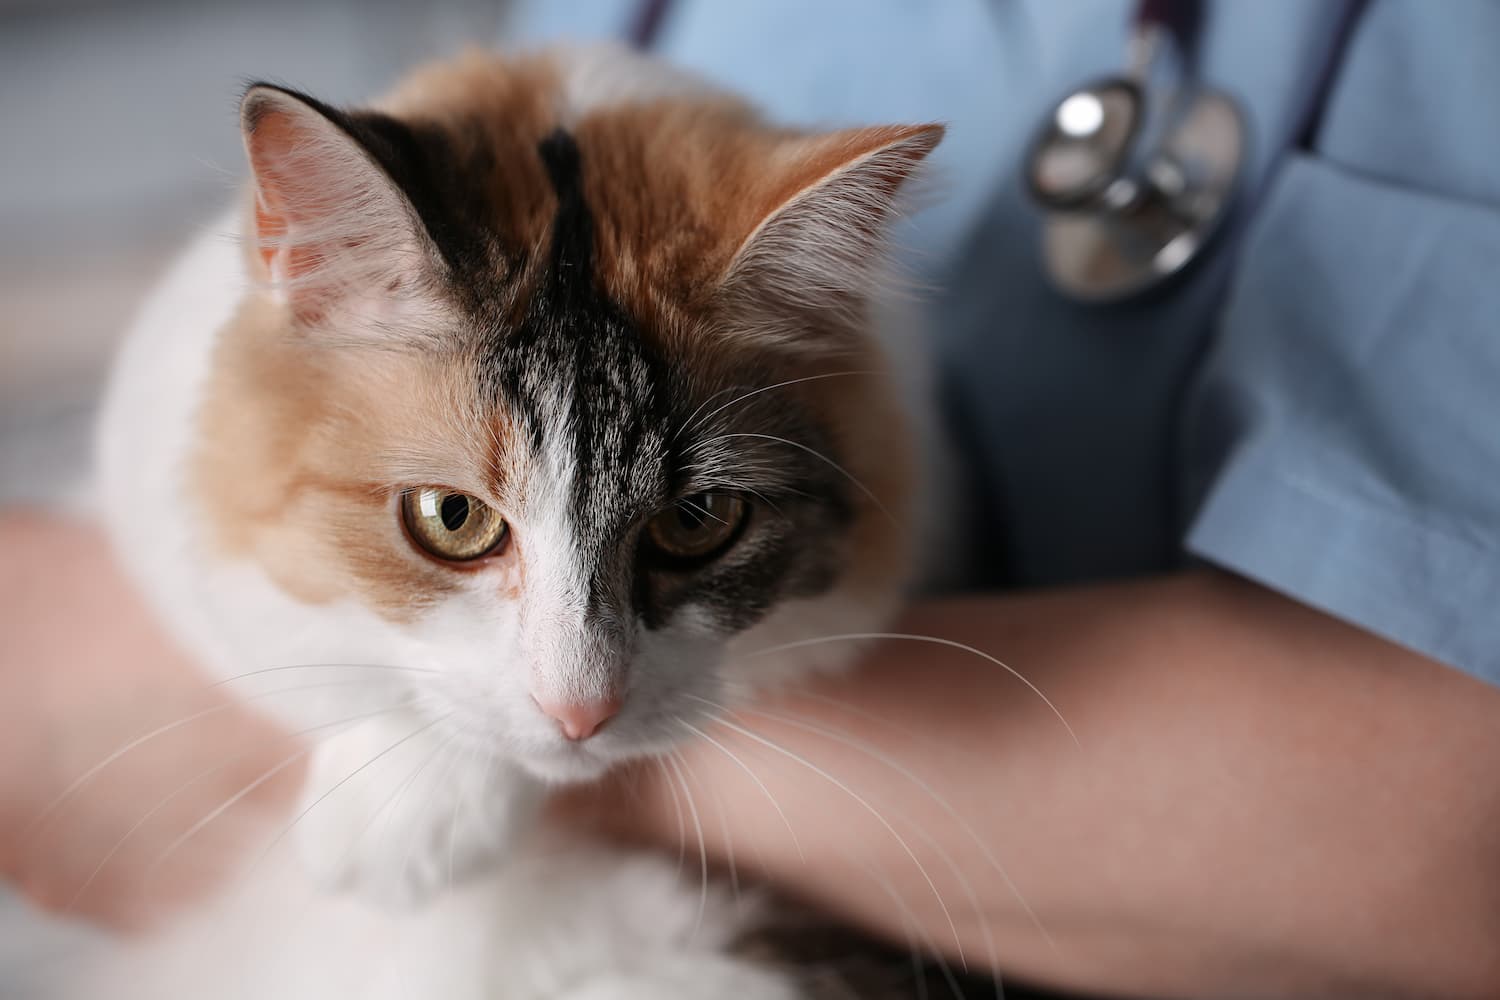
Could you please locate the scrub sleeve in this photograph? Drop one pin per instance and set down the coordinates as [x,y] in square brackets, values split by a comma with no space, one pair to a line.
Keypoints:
[1344,428]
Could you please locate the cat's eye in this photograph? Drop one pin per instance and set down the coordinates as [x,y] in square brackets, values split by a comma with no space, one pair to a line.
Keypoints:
[698,527]
[450,525]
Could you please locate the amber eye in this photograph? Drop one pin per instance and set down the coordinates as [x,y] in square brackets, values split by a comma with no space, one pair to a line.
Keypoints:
[451,525]
[698,527]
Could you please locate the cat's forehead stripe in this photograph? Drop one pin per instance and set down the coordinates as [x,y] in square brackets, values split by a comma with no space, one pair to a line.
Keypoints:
[584,382]
[573,223]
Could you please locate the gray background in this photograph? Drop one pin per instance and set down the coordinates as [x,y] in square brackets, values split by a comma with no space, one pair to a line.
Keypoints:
[117,136]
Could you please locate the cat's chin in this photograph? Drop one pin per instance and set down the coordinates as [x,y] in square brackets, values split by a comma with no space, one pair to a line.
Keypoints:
[566,767]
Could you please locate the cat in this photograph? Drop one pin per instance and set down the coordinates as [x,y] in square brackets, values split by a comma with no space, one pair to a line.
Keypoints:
[549,403]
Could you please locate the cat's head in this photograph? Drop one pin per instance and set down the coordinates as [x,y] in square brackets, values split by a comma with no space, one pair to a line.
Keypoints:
[560,369]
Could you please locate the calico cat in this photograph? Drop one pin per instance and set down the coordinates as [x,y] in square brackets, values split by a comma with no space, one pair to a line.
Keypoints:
[540,396]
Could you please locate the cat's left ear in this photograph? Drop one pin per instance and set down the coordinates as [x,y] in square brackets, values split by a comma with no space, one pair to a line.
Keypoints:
[819,240]
[334,230]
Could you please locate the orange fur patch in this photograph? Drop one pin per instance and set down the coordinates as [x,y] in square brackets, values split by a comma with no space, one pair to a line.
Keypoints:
[299,463]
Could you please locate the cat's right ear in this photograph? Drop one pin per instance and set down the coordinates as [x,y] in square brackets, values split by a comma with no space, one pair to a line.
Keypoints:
[334,231]
[817,243]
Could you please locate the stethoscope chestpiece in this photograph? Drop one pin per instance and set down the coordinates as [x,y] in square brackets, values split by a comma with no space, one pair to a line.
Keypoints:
[1133,186]
[1083,149]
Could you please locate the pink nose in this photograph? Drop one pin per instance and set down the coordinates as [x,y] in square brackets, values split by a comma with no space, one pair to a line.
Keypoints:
[579,720]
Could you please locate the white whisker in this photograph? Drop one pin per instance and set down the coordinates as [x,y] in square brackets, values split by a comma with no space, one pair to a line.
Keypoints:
[458,803]
[963,881]
[864,804]
[432,791]
[345,780]
[484,784]
[943,803]
[294,928]
[677,809]
[779,385]
[34,827]
[319,666]
[674,759]
[67,793]
[918,941]
[219,810]
[869,494]
[729,853]
[168,799]
[934,640]
[753,777]
[691,418]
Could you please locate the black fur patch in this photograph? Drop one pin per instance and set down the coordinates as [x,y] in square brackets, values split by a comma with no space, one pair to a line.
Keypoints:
[573,227]
[830,961]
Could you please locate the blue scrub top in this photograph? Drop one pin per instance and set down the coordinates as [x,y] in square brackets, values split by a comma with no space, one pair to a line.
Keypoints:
[1316,406]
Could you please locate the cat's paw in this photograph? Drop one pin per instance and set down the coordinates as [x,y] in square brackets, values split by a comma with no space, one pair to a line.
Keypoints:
[397,818]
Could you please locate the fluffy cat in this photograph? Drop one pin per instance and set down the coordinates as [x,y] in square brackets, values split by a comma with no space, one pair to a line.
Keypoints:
[546,397]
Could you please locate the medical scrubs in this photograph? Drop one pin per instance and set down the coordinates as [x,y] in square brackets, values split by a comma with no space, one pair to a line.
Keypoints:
[1315,405]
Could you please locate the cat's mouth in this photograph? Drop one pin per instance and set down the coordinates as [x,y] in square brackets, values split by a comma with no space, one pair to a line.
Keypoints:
[569,763]
[537,746]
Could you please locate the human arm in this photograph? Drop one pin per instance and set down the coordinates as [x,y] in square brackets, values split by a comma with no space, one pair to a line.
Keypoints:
[1262,800]
[85,672]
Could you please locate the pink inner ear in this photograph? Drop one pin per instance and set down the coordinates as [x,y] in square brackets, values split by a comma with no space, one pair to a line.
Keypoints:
[277,148]
[270,229]
[331,227]
[298,261]
[280,150]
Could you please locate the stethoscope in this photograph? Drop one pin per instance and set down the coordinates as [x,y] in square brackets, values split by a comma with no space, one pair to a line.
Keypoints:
[1136,172]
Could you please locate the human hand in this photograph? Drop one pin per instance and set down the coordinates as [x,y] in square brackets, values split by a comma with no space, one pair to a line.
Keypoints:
[113,750]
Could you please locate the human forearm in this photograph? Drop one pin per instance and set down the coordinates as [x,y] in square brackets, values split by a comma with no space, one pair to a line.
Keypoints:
[111,743]
[1262,800]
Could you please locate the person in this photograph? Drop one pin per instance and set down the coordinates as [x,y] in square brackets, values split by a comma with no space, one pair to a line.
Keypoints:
[1242,533]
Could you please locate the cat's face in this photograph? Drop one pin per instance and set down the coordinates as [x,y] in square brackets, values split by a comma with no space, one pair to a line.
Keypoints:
[575,398]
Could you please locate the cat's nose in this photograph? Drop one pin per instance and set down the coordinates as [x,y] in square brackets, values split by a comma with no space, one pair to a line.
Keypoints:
[579,719]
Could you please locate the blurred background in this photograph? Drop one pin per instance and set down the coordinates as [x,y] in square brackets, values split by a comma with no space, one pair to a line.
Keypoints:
[117,137]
